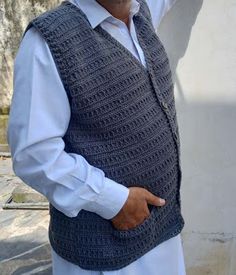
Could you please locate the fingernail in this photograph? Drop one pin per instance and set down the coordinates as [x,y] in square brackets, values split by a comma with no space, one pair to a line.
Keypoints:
[162,201]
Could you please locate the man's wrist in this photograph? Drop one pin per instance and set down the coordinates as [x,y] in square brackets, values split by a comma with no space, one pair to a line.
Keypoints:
[110,200]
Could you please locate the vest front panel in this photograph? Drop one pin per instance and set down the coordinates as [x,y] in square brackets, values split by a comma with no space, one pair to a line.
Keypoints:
[123,121]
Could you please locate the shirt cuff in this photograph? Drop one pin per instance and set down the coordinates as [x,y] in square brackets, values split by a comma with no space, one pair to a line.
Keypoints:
[110,200]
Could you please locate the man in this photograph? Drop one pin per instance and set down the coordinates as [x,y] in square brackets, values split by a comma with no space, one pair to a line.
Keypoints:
[93,127]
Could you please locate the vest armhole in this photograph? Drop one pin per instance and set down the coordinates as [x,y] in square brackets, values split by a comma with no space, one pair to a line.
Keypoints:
[59,69]
[31,24]
[42,24]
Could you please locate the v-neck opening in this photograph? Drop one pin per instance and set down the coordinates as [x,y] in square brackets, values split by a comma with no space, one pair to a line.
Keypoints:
[121,47]
[114,40]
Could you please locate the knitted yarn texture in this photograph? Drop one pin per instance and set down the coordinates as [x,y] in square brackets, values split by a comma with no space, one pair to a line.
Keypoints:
[123,121]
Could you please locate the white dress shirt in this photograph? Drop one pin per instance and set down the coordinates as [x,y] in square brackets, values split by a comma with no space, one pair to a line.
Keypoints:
[39,117]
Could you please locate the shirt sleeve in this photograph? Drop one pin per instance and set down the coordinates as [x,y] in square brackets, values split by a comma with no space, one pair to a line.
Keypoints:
[158,9]
[39,117]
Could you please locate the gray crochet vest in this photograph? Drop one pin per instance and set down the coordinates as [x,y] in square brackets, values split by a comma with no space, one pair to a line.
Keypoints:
[123,121]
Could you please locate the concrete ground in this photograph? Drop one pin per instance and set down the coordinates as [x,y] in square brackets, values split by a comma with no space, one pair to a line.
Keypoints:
[24,247]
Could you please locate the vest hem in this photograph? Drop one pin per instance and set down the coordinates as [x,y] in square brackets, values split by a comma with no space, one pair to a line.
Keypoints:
[125,260]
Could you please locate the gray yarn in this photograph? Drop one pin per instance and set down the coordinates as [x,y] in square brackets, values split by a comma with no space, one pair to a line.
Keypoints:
[123,121]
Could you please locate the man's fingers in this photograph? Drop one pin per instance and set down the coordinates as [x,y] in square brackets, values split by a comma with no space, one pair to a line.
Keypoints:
[154,200]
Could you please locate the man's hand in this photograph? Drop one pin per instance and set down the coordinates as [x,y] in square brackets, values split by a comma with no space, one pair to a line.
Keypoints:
[135,209]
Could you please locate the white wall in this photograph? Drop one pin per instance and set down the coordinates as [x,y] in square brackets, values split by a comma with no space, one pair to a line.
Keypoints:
[200,39]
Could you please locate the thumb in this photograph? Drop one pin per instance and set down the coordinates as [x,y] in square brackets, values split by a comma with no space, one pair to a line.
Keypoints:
[154,200]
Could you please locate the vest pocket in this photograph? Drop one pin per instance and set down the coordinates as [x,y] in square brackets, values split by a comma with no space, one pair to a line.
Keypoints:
[139,229]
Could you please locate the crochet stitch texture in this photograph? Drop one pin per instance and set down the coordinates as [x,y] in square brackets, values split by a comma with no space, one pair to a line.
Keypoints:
[123,121]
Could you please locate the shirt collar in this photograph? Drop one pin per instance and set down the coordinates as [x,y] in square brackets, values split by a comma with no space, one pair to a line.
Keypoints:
[96,13]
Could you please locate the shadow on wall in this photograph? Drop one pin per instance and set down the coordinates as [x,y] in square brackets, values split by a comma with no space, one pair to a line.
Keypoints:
[208,142]
[175,31]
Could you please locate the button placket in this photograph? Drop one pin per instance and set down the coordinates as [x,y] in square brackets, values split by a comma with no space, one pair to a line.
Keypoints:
[164,105]
[165,108]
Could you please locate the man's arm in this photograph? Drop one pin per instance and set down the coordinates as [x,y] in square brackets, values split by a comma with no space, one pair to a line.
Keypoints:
[39,118]
[158,9]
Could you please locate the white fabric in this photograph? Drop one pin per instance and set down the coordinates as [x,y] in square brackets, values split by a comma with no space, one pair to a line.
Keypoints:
[39,117]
